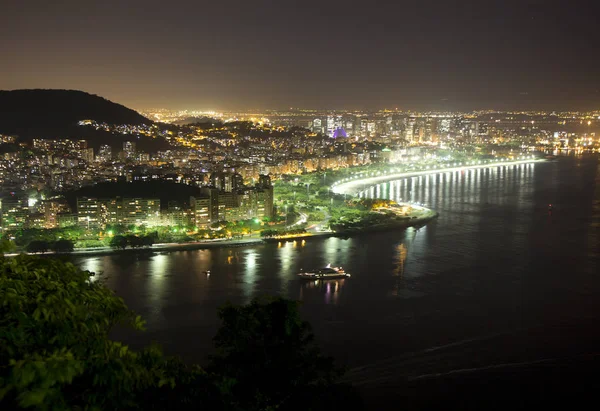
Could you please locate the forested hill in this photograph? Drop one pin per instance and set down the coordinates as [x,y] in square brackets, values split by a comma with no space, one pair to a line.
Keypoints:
[22,109]
[55,114]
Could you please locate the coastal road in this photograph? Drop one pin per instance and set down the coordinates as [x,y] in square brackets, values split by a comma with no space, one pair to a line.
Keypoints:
[321,226]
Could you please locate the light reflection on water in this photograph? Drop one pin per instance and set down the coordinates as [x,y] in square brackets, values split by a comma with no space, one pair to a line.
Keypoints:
[94,265]
[483,258]
[253,271]
[251,267]
[471,186]
[158,270]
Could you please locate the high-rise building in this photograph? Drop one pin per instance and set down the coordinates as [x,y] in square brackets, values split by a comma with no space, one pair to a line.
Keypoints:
[264,197]
[15,211]
[363,126]
[89,212]
[333,123]
[94,213]
[237,181]
[409,131]
[356,130]
[87,154]
[201,211]
[371,127]
[217,180]
[213,195]
[229,206]
[264,202]
[104,153]
[240,204]
[227,182]
[246,204]
[139,211]
[50,210]
[444,126]
[317,125]
[429,128]
[175,215]
[66,219]
[129,149]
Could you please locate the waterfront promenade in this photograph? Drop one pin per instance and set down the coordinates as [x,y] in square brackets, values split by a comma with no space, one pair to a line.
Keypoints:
[355,185]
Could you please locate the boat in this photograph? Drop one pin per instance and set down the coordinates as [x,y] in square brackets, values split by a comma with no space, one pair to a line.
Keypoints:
[326,273]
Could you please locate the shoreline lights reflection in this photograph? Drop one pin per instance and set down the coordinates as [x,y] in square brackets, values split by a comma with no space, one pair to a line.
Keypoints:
[468,202]
[356,184]
[331,289]
[92,265]
[489,184]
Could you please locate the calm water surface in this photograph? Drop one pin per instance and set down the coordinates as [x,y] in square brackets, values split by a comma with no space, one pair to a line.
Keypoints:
[495,268]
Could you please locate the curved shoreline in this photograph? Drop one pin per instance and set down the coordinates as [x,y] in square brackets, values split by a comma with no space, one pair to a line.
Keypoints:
[413,222]
[398,225]
[353,186]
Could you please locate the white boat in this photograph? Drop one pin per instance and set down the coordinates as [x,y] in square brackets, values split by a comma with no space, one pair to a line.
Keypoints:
[326,273]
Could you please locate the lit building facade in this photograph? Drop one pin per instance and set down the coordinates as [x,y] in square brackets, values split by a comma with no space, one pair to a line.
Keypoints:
[94,213]
[15,212]
[104,154]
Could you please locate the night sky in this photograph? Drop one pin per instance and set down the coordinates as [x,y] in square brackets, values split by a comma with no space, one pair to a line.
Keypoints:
[455,55]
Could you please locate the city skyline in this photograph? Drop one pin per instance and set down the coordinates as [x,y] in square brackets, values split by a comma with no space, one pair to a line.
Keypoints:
[333,55]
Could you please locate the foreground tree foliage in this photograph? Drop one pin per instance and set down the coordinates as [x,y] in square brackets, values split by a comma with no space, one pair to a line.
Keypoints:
[56,352]
[7,246]
[269,356]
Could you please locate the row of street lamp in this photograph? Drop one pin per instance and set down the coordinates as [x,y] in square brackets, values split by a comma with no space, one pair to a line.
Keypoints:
[469,163]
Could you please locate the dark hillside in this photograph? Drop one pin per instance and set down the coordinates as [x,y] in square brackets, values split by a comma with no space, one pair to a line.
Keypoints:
[23,109]
[55,114]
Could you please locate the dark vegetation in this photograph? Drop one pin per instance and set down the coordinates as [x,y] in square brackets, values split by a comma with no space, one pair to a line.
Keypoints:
[43,246]
[60,107]
[55,113]
[9,148]
[25,236]
[366,221]
[133,241]
[165,190]
[56,352]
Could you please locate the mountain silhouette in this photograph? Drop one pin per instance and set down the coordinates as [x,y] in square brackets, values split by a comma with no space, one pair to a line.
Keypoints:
[40,113]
